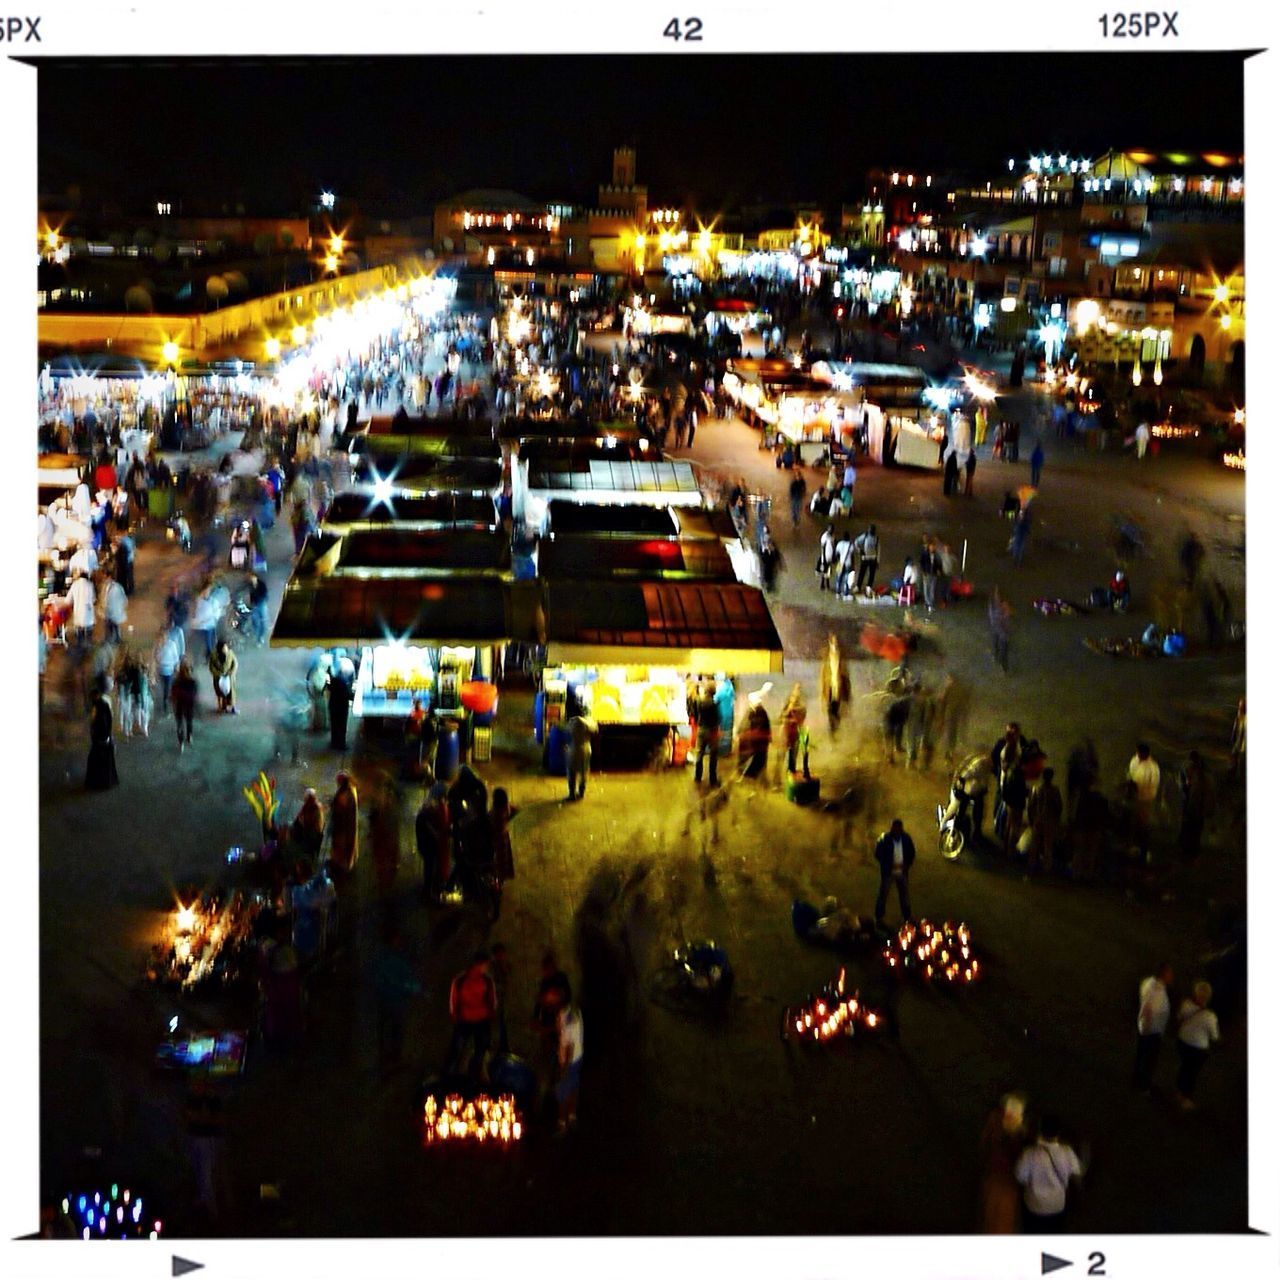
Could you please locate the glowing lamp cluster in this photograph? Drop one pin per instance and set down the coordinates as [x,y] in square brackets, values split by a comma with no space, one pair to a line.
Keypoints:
[116,1214]
[831,1014]
[938,953]
[493,1121]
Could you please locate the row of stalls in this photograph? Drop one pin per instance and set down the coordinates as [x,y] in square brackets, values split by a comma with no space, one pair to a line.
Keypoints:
[835,407]
[456,558]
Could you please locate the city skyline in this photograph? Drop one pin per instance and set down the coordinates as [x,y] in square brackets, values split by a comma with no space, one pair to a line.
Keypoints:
[743,150]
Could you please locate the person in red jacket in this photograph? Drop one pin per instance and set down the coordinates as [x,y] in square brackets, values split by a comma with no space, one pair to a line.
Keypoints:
[473,1002]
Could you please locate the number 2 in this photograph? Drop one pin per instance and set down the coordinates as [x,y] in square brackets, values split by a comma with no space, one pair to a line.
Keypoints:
[1097,1264]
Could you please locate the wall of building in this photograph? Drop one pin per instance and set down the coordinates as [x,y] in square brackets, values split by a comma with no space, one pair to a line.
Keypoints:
[237,330]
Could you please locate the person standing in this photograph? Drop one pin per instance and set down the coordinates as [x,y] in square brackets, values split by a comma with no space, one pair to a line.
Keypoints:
[1021,534]
[929,573]
[204,621]
[970,466]
[124,562]
[1037,464]
[826,558]
[582,730]
[100,772]
[434,840]
[344,817]
[341,693]
[843,564]
[1197,1031]
[473,1002]
[1153,1020]
[998,619]
[569,1057]
[223,666]
[796,491]
[1044,812]
[500,818]
[834,685]
[867,545]
[1144,784]
[258,608]
[950,473]
[1045,1171]
[1194,784]
[707,717]
[895,852]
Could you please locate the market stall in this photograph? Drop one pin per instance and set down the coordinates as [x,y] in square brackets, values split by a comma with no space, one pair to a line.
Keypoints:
[632,654]
[363,510]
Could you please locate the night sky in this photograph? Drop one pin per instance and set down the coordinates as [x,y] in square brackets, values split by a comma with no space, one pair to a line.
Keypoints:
[398,133]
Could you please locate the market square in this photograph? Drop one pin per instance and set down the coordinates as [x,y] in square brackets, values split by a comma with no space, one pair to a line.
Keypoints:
[489,642]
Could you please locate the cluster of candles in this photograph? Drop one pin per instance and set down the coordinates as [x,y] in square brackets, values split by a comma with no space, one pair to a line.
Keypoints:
[942,952]
[1167,431]
[483,1120]
[197,935]
[1234,460]
[830,1013]
[102,1216]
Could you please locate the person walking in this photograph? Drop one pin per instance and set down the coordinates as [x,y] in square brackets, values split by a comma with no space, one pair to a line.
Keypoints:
[706,713]
[183,697]
[395,985]
[434,841]
[895,852]
[582,730]
[867,545]
[223,666]
[258,608]
[204,619]
[344,825]
[170,649]
[970,466]
[1141,439]
[100,771]
[81,598]
[1144,789]
[1021,534]
[1004,1138]
[1197,1032]
[998,619]
[1153,1020]
[115,608]
[834,685]
[1045,1171]
[843,565]
[569,1057]
[473,1002]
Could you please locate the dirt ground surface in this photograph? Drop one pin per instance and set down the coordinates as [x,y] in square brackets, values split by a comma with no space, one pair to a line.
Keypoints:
[689,1125]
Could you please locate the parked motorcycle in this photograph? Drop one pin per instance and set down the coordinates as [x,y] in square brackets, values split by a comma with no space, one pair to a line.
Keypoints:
[960,821]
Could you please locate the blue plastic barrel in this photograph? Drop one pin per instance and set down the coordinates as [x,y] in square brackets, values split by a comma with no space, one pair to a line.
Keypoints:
[447,753]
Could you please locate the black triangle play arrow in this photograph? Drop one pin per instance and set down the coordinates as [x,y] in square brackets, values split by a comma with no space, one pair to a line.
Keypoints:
[182,1265]
[1047,1263]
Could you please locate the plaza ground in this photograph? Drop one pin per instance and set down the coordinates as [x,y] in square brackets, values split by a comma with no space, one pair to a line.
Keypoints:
[686,1126]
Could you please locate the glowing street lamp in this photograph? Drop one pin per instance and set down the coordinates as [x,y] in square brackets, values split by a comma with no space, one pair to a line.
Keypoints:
[331,263]
[171,351]
[273,348]
[1157,374]
[299,334]
[1225,322]
[1137,373]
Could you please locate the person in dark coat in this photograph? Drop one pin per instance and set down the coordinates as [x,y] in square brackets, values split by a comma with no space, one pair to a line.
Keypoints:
[895,852]
[100,773]
[950,474]
[340,695]
[435,843]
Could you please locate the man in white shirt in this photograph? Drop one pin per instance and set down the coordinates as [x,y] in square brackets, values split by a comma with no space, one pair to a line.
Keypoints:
[1197,1030]
[115,609]
[81,597]
[84,560]
[1153,1019]
[1044,1172]
[569,1027]
[1144,775]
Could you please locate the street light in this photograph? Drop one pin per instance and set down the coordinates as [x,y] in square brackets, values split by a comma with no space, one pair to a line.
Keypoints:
[299,335]
[273,348]
[171,351]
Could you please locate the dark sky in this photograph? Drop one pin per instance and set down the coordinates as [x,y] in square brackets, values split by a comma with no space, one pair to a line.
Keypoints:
[715,128]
